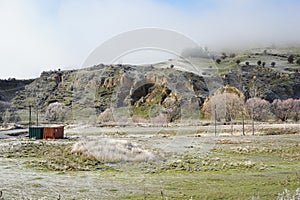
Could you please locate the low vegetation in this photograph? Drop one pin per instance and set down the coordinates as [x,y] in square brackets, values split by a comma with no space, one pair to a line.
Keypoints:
[53,156]
[261,166]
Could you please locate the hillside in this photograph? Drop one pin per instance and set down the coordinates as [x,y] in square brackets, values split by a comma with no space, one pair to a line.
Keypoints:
[9,88]
[164,88]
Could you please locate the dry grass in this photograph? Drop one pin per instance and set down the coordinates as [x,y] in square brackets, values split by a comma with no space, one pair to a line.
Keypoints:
[226,141]
[112,150]
[280,131]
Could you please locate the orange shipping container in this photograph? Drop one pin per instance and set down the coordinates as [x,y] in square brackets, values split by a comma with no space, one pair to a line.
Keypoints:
[53,132]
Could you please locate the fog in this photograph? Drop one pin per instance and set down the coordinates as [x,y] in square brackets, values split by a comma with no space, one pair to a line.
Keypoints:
[42,35]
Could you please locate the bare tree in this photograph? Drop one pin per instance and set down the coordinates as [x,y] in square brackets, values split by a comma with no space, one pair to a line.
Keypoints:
[56,112]
[282,109]
[228,106]
[258,108]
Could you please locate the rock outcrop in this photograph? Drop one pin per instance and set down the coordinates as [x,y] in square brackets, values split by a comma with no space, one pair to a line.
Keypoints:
[149,92]
[264,82]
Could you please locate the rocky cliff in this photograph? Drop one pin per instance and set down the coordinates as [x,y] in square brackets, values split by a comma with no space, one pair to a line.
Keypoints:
[149,91]
[93,90]
[264,82]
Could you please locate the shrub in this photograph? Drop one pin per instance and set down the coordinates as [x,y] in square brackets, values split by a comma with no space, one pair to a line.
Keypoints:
[259,62]
[106,116]
[232,55]
[298,61]
[238,62]
[258,108]
[162,118]
[224,56]
[218,61]
[247,63]
[273,64]
[56,112]
[291,59]
[263,64]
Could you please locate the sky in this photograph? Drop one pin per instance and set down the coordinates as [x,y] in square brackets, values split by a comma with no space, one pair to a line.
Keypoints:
[40,35]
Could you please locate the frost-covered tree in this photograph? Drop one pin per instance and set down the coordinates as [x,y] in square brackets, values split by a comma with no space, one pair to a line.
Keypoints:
[258,108]
[226,106]
[282,109]
[295,114]
[291,59]
[56,112]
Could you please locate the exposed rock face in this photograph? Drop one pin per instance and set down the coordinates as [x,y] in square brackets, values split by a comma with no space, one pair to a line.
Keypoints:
[93,90]
[149,92]
[53,86]
[258,81]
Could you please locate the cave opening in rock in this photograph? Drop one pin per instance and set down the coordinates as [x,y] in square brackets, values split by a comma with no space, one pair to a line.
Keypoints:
[141,91]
